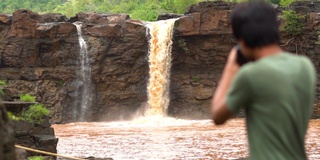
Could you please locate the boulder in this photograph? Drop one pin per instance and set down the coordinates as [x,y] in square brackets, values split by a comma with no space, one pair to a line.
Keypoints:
[5,19]
[24,24]
[205,18]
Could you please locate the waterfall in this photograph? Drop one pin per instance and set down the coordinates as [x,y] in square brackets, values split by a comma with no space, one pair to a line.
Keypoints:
[159,64]
[84,76]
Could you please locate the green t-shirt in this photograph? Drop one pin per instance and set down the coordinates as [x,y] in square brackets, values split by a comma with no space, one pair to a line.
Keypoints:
[277,93]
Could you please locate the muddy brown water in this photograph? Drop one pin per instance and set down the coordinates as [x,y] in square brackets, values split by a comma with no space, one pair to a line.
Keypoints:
[164,138]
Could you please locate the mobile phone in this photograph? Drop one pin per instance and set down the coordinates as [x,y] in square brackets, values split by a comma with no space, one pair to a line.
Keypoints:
[241,59]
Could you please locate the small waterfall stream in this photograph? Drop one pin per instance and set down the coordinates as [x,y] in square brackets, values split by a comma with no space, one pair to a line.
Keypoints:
[84,76]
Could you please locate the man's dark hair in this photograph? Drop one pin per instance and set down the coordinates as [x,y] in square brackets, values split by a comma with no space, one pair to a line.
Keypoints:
[255,23]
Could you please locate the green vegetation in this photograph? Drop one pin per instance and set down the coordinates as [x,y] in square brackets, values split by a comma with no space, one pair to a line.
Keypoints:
[182,44]
[195,78]
[318,41]
[293,25]
[2,83]
[8,6]
[137,9]
[285,2]
[36,158]
[12,116]
[34,114]
[27,98]
[59,83]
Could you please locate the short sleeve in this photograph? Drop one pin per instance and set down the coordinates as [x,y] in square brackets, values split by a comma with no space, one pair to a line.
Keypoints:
[239,93]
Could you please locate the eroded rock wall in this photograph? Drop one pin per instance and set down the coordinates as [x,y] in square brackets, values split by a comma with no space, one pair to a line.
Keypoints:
[203,40]
[39,55]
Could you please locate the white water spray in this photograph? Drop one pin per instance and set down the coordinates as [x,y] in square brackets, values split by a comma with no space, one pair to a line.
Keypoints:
[84,76]
[161,33]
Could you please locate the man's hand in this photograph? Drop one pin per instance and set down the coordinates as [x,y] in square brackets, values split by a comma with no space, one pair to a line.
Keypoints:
[219,109]
[232,60]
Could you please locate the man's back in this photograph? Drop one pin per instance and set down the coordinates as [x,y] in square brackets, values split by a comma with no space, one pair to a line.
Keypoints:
[281,91]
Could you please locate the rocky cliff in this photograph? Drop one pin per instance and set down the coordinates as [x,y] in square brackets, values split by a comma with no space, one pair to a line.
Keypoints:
[203,40]
[39,55]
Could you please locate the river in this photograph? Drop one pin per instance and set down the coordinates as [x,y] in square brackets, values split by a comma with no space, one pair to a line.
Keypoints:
[164,138]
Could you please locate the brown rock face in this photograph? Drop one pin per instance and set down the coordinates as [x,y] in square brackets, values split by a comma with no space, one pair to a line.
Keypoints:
[206,18]
[40,56]
[203,40]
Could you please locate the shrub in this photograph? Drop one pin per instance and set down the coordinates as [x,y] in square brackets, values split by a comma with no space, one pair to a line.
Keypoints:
[34,114]
[27,98]
[182,44]
[293,25]
[12,116]
[2,83]
[36,158]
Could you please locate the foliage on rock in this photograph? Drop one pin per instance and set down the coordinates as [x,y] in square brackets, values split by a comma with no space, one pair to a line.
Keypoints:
[27,98]
[318,41]
[36,158]
[34,114]
[2,83]
[293,22]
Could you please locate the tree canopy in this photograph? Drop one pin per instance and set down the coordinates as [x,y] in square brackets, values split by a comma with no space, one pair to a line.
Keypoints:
[137,9]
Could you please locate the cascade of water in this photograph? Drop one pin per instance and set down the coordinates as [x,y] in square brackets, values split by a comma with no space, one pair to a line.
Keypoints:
[159,64]
[84,76]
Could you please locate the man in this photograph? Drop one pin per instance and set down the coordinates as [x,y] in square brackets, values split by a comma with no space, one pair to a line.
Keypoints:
[276,90]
